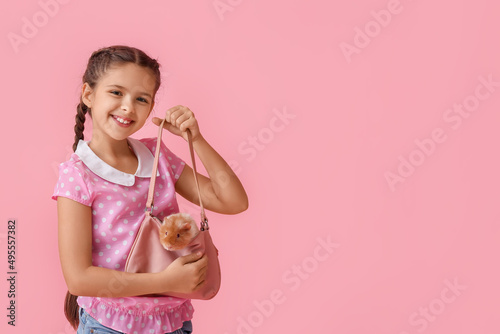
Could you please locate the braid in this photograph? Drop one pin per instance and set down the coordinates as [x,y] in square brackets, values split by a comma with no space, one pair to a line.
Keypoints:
[81,110]
[98,64]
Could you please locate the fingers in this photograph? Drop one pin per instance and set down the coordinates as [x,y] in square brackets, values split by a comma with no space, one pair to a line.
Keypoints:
[177,115]
[169,112]
[157,120]
[199,285]
[191,258]
[203,263]
[174,111]
[178,120]
[196,266]
[182,118]
[199,268]
[202,274]
[172,114]
[182,121]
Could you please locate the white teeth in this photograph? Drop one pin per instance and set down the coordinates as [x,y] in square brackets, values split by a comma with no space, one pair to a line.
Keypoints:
[121,120]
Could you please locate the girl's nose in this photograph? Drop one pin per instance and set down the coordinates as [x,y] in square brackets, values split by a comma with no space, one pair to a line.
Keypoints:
[127,106]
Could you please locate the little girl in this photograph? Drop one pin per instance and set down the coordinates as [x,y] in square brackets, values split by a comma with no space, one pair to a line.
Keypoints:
[101,197]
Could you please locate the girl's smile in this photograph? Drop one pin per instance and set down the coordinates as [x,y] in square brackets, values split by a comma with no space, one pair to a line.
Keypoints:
[122,121]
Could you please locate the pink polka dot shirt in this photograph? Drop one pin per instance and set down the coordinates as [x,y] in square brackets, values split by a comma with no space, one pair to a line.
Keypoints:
[118,202]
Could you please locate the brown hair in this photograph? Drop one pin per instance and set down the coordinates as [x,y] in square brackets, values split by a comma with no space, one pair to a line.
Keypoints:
[99,62]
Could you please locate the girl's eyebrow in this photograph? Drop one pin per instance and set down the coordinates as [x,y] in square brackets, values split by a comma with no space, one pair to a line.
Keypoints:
[121,87]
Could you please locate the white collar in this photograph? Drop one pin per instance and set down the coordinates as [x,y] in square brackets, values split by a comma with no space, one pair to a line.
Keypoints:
[111,174]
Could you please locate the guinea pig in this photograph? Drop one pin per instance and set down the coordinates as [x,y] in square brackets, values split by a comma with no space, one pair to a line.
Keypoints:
[177,231]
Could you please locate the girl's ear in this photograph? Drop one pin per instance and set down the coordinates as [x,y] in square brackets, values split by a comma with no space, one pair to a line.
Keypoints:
[87,96]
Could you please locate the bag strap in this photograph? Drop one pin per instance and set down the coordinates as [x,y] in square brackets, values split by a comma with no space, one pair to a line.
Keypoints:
[149,203]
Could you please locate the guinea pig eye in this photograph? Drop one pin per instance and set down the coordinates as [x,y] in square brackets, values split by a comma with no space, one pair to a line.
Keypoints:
[178,235]
[166,233]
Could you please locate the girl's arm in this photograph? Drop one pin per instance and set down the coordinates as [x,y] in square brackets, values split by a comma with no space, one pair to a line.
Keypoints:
[222,191]
[84,279]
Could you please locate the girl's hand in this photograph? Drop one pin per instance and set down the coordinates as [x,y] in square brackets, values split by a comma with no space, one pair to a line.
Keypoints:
[186,274]
[178,120]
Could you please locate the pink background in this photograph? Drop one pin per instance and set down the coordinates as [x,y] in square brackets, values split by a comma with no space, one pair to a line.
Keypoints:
[352,118]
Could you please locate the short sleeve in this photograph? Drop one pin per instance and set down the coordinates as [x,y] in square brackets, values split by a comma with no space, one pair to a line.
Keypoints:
[175,165]
[71,184]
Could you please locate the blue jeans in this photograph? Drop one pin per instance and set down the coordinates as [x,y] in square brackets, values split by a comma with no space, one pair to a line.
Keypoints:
[89,325]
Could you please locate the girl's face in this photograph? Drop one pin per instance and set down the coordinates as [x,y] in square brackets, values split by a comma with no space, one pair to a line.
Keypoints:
[121,101]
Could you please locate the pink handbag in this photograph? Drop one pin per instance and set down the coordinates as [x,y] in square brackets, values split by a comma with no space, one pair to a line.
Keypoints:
[147,255]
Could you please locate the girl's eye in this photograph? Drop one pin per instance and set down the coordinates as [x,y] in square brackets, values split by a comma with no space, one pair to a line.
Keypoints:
[118,93]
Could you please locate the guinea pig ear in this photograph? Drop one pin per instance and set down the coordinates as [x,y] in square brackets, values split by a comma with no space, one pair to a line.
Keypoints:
[186,227]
